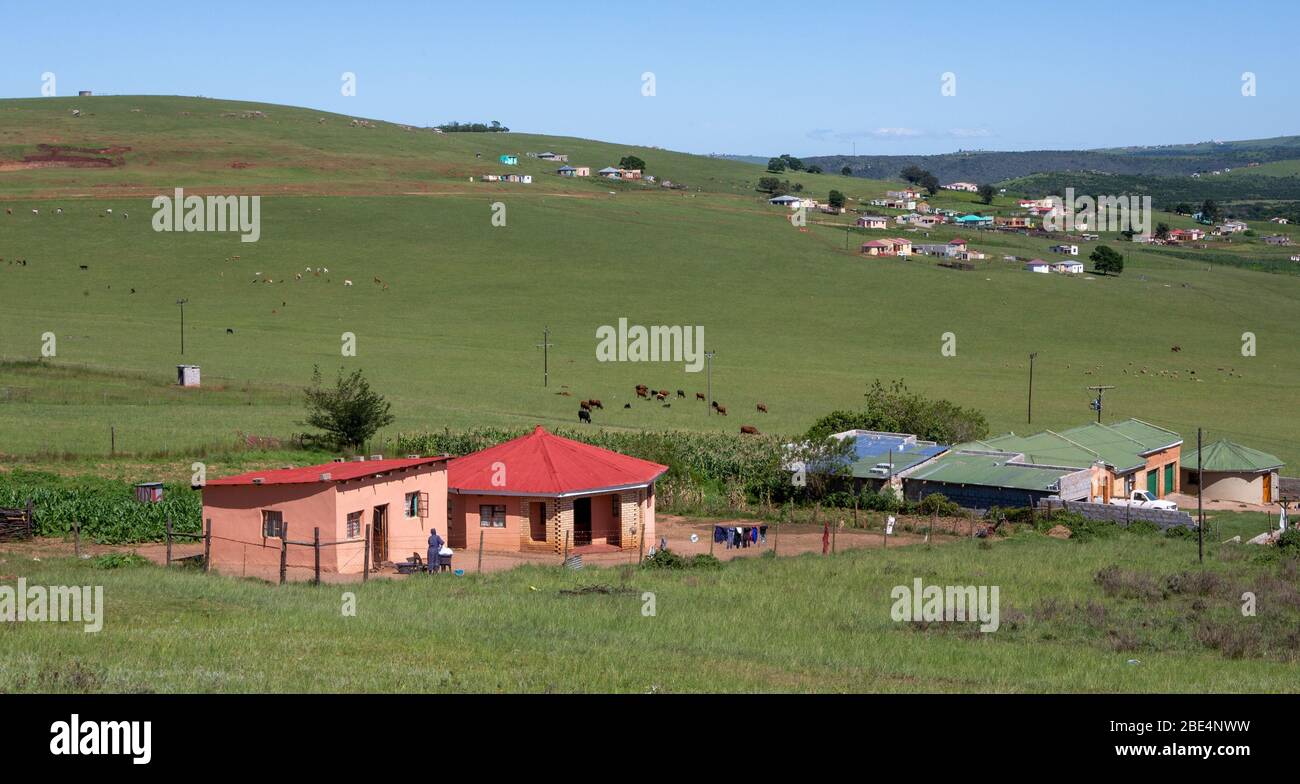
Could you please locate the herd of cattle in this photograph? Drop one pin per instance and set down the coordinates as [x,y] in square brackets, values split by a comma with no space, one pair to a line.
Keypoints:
[644,392]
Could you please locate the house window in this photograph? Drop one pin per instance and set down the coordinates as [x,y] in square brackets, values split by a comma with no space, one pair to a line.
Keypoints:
[272,523]
[617,512]
[491,516]
[412,504]
[354,525]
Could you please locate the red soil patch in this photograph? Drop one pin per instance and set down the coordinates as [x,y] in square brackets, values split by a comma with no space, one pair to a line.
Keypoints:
[64,156]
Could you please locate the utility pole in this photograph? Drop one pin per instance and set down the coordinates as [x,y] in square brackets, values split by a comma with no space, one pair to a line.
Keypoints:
[545,346]
[1096,404]
[182,302]
[708,356]
[1030,417]
[1200,510]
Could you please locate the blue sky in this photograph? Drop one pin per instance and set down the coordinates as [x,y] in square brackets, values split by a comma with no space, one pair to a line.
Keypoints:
[747,78]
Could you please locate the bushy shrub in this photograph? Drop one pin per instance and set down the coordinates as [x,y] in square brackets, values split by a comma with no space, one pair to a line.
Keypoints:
[938,503]
[1289,542]
[118,560]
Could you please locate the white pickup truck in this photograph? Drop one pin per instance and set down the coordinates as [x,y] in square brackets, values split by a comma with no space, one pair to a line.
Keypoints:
[1143,500]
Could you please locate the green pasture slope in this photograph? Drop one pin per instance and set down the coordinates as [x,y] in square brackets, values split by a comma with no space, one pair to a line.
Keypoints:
[1128,613]
[449,333]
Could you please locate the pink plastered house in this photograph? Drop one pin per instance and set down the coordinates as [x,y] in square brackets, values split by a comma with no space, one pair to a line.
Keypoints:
[399,500]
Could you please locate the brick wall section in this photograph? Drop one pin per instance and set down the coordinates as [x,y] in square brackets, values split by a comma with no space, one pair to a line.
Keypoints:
[630,518]
[563,522]
[1121,514]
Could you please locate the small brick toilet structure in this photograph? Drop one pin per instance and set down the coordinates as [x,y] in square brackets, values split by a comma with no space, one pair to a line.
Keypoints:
[541,492]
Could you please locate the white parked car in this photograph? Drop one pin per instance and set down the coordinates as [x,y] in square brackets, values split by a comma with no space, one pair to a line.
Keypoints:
[1143,500]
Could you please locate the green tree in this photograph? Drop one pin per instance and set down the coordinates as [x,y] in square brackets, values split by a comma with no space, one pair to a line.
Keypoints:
[814,169]
[350,412]
[775,165]
[1162,231]
[1107,260]
[986,194]
[792,163]
[930,183]
[1210,210]
[631,162]
[836,199]
[896,409]
[846,171]
[768,184]
[912,174]
[1183,208]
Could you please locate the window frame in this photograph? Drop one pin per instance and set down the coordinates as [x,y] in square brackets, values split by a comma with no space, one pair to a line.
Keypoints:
[491,521]
[276,531]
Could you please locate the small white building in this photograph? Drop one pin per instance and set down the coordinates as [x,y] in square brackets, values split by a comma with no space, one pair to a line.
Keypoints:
[187,375]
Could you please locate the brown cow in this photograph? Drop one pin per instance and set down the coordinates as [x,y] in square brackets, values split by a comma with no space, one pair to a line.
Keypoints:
[762,407]
[584,405]
[722,410]
[700,396]
[594,403]
[642,391]
[664,393]
[749,430]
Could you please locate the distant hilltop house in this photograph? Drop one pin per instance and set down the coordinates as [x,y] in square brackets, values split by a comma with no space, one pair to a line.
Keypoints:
[574,171]
[1068,267]
[553,156]
[969,187]
[894,246]
[1280,220]
[1231,227]
[903,194]
[977,221]
[1038,265]
[953,249]
[1065,250]
[612,173]
[1014,222]
[1044,203]
[793,202]
[873,222]
[1186,235]
[509,160]
[525,179]
[1277,239]
[919,220]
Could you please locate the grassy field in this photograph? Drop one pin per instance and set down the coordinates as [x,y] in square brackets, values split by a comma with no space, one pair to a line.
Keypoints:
[1128,613]
[799,322]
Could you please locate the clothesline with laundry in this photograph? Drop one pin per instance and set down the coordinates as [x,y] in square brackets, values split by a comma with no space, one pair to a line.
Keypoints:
[740,535]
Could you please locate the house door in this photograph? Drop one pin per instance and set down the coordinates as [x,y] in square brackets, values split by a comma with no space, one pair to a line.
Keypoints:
[379,535]
[537,521]
[1153,483]
[1169,479]
[1268,488]
[581,522]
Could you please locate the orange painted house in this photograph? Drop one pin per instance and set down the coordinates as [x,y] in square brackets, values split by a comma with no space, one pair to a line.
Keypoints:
[541,492]
[400,499]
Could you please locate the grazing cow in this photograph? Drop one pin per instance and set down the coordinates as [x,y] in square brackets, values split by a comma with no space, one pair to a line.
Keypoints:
[229,331]
[584,415]
[642,391]
[59,211]
[722,410]
[584,405]
[700,396]
[664,393]
[660,396]
[681,394]
[762,407]
[36,212]
[627,405]
[347,283]
[564,393]
[594,403]
[8,211]
[668,405]
[1175,348]
[83,266]
[749,430]
[377,280]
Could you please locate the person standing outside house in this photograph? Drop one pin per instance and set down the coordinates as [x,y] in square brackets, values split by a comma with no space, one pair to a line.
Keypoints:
[435,547]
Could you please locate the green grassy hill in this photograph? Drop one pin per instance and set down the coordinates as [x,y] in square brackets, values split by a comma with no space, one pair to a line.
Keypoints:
[447,308]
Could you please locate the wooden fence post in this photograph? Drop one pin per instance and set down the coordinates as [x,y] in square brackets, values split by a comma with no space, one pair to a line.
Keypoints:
[834,531]
[480,550]
[930,532]
[284,552]
[776,537]
[566,545]
[76,538]
[365,571]
[207,546]
[713,534]
[640,544]
[169,539]
[315,541]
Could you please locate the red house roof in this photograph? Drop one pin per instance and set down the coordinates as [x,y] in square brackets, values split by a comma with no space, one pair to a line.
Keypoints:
[338,472]
[542,463]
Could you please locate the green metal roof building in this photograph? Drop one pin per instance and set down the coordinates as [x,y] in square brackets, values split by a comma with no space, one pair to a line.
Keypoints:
[1233,472]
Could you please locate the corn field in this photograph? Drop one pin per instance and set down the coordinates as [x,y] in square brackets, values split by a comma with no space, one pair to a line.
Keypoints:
[107,511]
